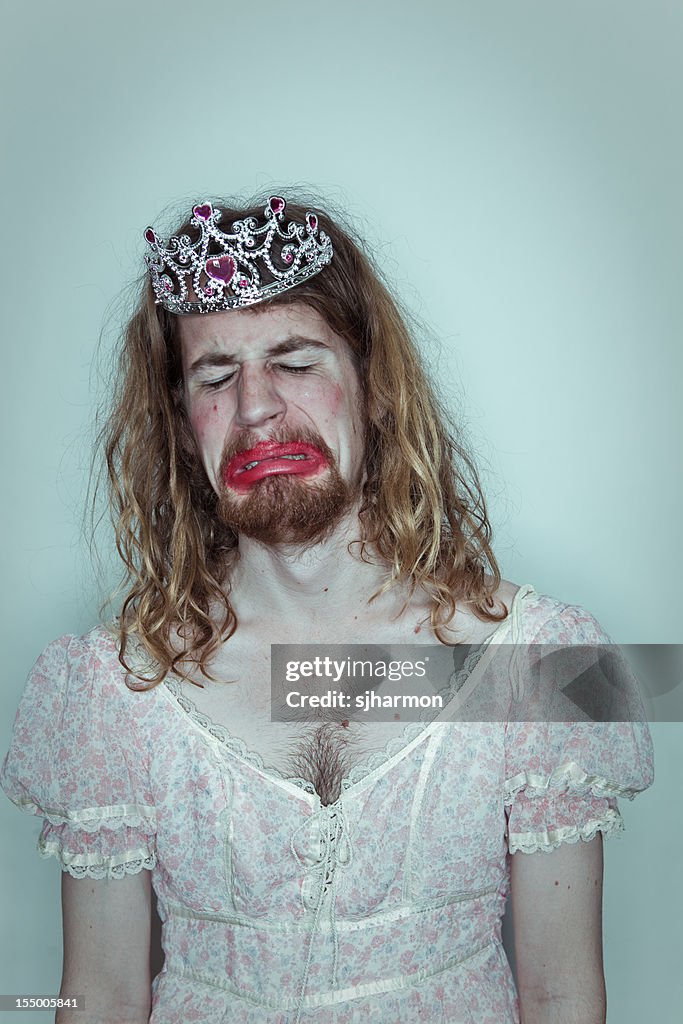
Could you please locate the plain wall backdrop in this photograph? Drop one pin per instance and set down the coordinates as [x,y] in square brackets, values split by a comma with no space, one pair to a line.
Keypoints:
[517,168]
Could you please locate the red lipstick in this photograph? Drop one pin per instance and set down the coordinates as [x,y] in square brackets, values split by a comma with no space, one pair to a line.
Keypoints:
[268,458]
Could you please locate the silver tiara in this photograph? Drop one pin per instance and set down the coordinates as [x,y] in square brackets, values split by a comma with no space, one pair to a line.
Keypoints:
[226,270]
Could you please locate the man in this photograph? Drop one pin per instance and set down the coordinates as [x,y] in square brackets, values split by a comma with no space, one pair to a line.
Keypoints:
[281,473]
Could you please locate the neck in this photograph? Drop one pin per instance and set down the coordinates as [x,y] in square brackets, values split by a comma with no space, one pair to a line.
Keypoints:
[325,582]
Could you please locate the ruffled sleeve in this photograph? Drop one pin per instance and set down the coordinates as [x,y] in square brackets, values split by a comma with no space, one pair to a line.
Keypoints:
[562,779]
[76,761]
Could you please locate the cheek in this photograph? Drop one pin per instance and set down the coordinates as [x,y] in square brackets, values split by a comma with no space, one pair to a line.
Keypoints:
[204,420]
[333,400]
[347,405]
[319,401]
[336,399]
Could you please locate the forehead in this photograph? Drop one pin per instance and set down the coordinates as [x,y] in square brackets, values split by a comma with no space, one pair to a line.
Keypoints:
[255,333]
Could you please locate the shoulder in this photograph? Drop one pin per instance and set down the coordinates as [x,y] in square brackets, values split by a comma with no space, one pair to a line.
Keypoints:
[538,618]
[75,705]
[469,628]
[506,594]
[98,641]
[548,619]
[552,621]
[79,666]
[466,627]
[98,644]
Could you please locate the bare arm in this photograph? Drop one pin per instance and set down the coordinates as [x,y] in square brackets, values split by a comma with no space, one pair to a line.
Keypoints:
[107,924]
[557,916]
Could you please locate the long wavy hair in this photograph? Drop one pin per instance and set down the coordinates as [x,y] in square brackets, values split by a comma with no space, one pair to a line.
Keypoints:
[423,513]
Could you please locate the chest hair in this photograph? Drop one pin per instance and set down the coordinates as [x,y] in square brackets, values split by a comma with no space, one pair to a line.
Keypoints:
[324,758]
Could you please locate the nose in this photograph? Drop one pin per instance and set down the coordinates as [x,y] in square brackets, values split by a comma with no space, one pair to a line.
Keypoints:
[258,399]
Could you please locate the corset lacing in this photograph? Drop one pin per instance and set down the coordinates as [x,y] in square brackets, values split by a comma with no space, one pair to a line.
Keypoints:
[319,885]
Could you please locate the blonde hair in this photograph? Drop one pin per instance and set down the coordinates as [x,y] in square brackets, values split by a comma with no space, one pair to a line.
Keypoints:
[422,512]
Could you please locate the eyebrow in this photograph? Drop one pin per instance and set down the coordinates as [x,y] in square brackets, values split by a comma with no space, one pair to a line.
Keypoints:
[293,344]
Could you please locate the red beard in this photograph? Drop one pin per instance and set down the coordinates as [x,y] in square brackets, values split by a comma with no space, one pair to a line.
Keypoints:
[286,508]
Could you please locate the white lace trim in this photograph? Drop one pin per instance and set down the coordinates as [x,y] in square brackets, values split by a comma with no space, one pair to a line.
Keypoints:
[219,732]
[394,746]
[611,825]
[93,865]
[566,777]
[92,819]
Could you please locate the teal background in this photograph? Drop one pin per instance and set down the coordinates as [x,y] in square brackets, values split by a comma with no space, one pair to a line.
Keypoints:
[517,167]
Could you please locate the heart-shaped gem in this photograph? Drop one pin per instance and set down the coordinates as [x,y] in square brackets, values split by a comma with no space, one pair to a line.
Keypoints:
[221,269]
[150,236]
[277,204]
[203,212]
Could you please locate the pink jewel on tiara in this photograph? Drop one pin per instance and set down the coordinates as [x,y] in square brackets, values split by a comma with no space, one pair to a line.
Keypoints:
[203,212]
[215,269]
[222,269]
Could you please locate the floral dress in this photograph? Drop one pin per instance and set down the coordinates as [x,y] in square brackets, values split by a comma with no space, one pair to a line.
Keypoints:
[384,906]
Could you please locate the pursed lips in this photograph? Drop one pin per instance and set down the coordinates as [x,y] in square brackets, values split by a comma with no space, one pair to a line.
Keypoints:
[270,458]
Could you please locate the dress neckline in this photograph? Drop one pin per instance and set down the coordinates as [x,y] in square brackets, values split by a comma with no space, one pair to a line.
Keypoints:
[460,685]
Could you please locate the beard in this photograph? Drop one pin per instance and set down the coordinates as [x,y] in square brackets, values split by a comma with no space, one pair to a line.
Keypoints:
[285,508]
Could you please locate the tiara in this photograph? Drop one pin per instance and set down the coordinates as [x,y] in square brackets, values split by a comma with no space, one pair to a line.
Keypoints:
[226,270]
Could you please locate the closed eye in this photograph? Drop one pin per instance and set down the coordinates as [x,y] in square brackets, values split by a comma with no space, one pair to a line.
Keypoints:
[212,385]
[288,368]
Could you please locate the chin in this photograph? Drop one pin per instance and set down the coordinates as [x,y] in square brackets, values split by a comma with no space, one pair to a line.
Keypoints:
[288,509]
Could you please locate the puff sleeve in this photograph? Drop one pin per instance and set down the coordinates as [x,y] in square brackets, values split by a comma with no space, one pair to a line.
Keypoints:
[562,779]
[77,761]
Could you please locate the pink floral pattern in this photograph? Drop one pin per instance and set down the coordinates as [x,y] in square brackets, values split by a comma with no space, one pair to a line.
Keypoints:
[383,907]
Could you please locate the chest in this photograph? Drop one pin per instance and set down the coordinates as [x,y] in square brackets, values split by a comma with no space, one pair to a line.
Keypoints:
[321,746]
[227,832]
